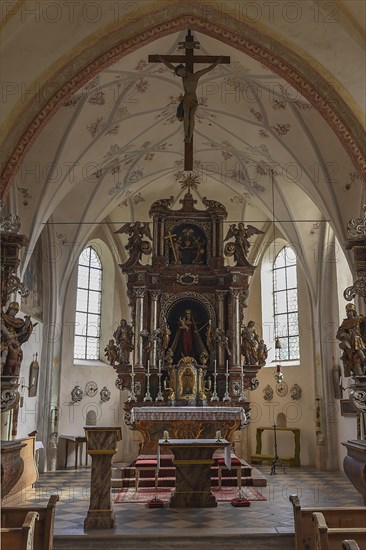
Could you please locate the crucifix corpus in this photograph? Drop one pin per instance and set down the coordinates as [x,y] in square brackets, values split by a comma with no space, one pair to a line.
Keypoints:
[190,79]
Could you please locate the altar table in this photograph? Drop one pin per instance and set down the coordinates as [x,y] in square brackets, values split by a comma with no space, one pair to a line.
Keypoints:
[185,423]
[193,459]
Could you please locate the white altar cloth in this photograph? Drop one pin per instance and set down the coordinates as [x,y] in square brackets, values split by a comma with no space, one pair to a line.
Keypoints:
[218,443]
[189,413]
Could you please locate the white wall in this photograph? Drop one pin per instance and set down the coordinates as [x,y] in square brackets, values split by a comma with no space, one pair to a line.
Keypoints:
[73,415]
[300,414]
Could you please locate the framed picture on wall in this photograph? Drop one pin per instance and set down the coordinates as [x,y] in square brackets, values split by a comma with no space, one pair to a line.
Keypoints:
[33,378]
[347,408]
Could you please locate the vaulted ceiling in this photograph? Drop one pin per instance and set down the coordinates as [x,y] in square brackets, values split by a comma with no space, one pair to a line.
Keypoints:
[116,145]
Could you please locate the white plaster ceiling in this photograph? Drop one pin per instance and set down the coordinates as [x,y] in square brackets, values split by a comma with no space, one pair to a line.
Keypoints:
[116,146]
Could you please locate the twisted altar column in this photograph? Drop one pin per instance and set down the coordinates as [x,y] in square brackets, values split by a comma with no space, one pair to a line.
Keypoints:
[139,319]
[235,350]
[154,294]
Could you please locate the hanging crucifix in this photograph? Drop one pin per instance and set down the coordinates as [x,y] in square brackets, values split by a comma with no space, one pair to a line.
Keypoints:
[190,79]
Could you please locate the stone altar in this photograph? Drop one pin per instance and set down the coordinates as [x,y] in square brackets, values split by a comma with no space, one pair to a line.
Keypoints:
[192,461]
[185,423]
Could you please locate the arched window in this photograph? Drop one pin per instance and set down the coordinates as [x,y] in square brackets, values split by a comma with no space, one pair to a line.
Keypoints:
[88,305]
[286,326]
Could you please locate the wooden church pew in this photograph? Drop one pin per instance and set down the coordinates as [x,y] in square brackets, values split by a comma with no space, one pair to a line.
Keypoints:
[341,517]
[350,545]
[331,538]
[43,535]
[22,536]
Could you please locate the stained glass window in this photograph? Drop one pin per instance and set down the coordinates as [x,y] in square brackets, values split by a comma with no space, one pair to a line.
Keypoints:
[286,324]
[88,305]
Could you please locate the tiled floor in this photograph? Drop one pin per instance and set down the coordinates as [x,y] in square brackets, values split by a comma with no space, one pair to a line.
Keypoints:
[272,516]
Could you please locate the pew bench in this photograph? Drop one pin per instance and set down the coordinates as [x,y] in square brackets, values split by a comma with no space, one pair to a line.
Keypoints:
[331,538]
[350,545]
[341,517]
[12,518]
[21,537]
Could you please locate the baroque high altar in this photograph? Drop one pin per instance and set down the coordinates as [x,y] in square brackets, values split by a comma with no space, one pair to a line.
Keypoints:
[189,345]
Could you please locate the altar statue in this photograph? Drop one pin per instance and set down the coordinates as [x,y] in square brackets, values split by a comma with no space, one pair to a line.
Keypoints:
[240,248]
[250,344]
[136,246]
[352,336]
[123,335]
[187,341]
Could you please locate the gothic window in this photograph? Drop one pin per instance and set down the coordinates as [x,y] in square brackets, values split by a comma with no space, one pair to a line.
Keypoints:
[88,306]
[286,326]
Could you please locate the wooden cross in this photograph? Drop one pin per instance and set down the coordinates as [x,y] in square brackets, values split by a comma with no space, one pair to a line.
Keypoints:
[169,237]
[189,59]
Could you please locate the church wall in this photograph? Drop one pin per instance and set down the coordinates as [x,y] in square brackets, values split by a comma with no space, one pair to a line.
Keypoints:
[73,415]
[300,414]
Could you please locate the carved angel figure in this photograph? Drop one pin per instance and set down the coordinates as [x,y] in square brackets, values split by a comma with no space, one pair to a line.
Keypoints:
[241,245]
[136,246]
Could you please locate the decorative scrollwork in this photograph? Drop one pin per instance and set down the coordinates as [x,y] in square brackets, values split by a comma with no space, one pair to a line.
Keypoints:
[8,399]
[9,223]
[119,384]
[358,288]
[15,285]
[187,279]
[356,227]
[357,392]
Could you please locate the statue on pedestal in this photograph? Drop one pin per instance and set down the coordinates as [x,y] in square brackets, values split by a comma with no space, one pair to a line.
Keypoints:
[124,338]
[352,336]
[252,347]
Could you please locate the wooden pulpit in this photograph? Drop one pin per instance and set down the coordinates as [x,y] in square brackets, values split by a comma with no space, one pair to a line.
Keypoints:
[101,444]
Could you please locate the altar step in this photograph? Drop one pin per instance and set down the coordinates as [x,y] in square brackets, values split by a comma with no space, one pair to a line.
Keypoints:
[124,477]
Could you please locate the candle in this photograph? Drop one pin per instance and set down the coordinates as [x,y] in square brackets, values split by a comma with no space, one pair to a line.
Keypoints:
[218,434]
[148,366]
[132,371]
[166,436]
[227,366]
[215,368]
[159,366]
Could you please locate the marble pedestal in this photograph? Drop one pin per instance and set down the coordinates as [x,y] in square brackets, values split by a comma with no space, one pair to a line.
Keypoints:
[101,445]
[193,460]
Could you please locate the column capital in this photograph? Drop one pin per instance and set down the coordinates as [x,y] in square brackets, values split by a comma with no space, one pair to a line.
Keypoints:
[155,294]
[139,292]
[221,295]
[235,292]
